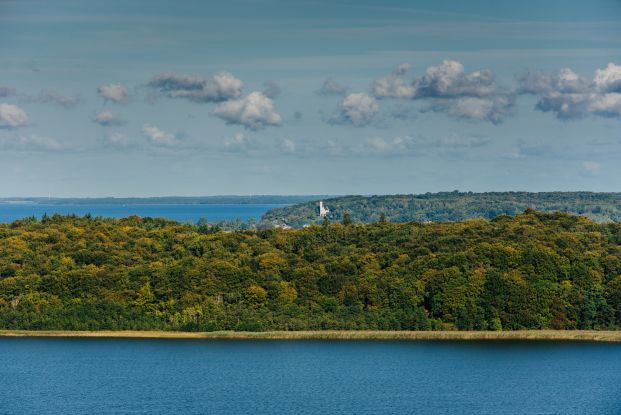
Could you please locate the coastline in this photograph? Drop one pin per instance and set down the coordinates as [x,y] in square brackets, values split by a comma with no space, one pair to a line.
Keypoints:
[531,335]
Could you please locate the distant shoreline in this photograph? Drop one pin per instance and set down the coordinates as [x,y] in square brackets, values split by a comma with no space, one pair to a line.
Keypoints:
[534,335]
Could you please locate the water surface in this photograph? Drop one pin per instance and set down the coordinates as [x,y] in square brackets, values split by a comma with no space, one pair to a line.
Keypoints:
[179,212]
[118,376]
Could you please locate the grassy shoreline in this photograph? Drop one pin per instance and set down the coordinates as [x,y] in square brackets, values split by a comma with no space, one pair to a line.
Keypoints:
[550,335]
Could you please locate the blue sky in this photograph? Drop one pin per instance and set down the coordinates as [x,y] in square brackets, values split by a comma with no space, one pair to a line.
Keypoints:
[141,98]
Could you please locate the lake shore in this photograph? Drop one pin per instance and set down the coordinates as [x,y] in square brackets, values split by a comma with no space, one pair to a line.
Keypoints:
[553,335]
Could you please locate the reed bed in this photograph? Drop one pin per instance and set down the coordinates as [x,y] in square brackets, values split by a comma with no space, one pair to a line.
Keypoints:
[550,335]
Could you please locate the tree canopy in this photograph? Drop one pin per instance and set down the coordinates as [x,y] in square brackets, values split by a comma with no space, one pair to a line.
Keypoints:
[532,271]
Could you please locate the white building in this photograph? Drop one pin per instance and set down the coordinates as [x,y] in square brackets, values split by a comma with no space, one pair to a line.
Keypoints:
[323,211]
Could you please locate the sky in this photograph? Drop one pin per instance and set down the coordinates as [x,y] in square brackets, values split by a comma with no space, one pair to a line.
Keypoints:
[192,97]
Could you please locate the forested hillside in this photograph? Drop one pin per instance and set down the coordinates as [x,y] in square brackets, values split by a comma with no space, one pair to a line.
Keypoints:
[449,206]
[533,271]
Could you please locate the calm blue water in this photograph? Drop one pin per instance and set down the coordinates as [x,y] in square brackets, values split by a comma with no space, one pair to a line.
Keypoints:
[118,376]
[182,212]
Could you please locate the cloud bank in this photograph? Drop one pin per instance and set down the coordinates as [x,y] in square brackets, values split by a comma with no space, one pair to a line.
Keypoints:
[569,96]
[450,89]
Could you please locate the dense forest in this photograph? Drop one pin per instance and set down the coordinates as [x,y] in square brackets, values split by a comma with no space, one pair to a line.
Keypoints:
[534,270]
[448,206]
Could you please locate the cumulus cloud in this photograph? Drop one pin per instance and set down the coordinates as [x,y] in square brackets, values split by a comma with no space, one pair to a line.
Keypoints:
[570,96]
[330,87]
[114,92]
[608,79]
[53,97]
[565,81]
[358,109]
[107,118]
[394,85]
[159,137]
[449,88]
[12,116]
[492,109]
[449,79]
[573,106]
[254,111]
[6,91]
[221,87]
[271,89]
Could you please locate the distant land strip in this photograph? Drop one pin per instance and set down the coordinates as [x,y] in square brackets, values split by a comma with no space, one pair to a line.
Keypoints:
[444,207]
[550,335]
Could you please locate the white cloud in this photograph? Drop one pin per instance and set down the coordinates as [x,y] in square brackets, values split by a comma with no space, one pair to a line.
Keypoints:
[12,116]
[608,79]
[606,105]
[393,85]
[449,88]
[159,137]
[114,92]
[254,111]
[357,109]
[569,96]
[220,87]
[493,109]
[107,118]
[330,87]
[565,81]
[449,79]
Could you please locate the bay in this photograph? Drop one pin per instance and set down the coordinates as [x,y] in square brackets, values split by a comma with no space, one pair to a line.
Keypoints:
[143,376]
[10,212]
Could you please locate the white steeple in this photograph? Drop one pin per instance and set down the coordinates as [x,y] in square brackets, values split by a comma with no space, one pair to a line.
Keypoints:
[323,211]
